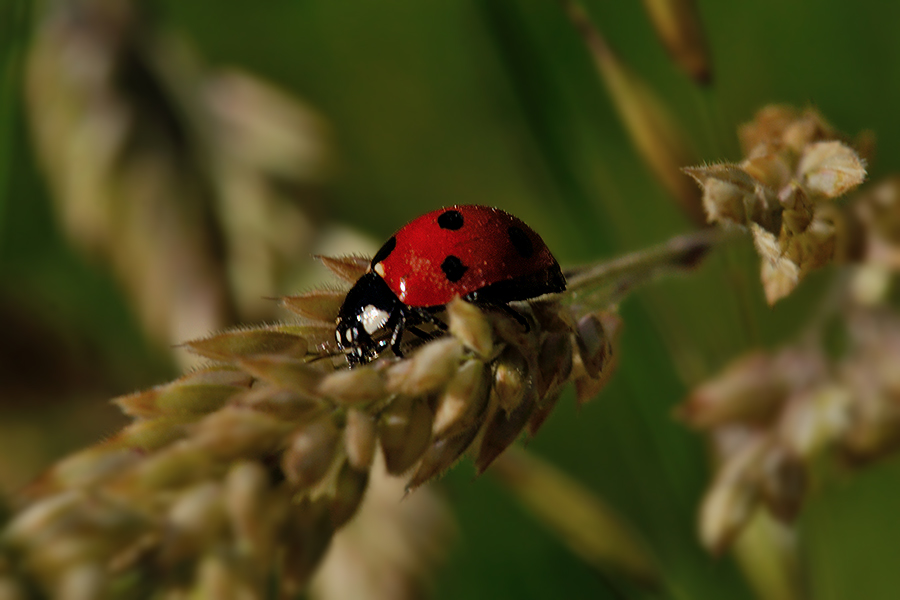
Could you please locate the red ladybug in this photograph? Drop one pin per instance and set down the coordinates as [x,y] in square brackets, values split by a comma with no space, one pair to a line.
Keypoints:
[481,254]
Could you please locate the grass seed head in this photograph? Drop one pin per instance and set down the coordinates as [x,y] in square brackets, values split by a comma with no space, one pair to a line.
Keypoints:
[264,454]
[783,192]
[773,417]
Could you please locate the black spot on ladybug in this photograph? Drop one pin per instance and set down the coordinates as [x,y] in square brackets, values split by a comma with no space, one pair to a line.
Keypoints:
[520,241]
[453,268]
[385,251]
[452,220]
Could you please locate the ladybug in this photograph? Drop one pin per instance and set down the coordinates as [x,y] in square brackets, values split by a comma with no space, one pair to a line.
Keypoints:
[481,254]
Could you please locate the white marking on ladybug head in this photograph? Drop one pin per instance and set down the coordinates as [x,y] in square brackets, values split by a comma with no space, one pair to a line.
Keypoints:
[337,335]
[349,334]
[373,318]
[379,268]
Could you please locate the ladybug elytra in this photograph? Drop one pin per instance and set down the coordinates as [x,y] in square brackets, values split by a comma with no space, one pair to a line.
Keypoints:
[481,254]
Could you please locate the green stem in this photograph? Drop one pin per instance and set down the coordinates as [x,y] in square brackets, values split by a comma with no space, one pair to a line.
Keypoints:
[599,285]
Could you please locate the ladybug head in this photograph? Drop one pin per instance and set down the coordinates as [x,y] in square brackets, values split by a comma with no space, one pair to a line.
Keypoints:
[367,318]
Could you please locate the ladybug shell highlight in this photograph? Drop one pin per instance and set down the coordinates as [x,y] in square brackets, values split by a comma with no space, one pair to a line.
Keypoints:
[472,252]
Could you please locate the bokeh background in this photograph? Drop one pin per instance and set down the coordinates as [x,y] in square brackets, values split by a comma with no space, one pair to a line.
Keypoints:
[343,120]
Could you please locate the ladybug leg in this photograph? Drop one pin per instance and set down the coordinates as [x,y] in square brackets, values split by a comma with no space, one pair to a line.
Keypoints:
[423,335]
[397,333]
[437,323]
[424,315]
[408,320]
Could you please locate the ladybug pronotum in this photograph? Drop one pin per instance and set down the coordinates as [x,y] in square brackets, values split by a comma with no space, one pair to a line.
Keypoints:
[481,254]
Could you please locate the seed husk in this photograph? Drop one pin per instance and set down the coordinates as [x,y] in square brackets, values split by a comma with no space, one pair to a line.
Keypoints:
[511,378]
[321,305]
[541,412]
[235,432]
[86,580]
[441,455]
[503,429]
[231,345]
[464,400]
[306,536]
[147,436]
[426,371]
[348,268]
[354,386]
[92,466]
[470,325]
[310,452]
[194,394]
[248,504]
[783,484]
[194,521]
[279,403]
[286,372]
[176,465]
[349,491]
[734,495]
[555,361]
[405,432]
[359,439]
[593,345]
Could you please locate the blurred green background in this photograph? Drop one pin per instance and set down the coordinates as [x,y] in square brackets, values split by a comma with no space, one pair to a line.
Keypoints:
[495,102]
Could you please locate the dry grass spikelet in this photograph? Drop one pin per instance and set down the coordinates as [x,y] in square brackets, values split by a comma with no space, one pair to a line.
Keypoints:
[159,165]
[677,24]
[656,134]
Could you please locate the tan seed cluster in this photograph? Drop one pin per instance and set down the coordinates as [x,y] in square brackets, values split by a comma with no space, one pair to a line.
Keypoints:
[160,185]
[770,416]
[248,466]
[796,165]
[878,209]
